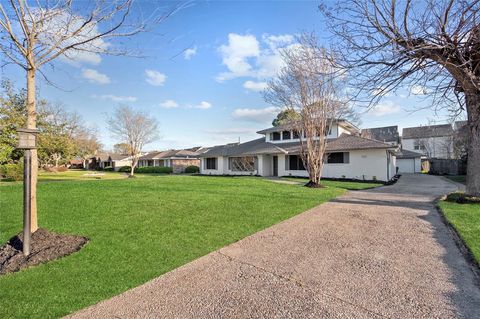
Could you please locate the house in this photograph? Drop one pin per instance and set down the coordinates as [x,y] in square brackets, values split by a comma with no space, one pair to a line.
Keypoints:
[277,153]
[433,141]
[408,161]
[178,160]
[75,164]
[386,134]
[104,160]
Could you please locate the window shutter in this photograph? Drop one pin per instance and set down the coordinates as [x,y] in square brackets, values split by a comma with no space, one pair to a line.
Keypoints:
[287,162]
[346,157]
[255,163]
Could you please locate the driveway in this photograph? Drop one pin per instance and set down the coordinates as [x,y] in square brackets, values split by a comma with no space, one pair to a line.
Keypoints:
[379,253]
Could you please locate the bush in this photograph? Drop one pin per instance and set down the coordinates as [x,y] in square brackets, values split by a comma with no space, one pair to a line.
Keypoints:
[192,169]
[108,169]
[62,169]
[153,170]
[12,172]
[125,169]
[461,198]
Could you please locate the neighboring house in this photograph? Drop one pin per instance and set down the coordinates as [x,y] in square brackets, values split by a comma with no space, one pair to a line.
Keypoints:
[433,141]
[387,134]
[75,163]
[408,161]
[277,153]
[103,160]
[178,160]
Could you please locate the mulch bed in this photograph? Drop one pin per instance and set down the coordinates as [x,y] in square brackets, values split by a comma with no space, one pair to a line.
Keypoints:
[45,246]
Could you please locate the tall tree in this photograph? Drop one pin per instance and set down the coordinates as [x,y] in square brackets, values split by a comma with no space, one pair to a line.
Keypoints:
[285,117]
[433,45]
[308,86]
[134,128]
[33,36]
[121,148]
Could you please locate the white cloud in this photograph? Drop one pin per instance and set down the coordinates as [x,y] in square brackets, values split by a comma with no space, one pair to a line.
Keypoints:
[245,56]
[203,105]
[264,115]
[418,90]
[93,76]
[189,53]
[115,98]
[255,86]
[169,104]
[386,108]
[155,78]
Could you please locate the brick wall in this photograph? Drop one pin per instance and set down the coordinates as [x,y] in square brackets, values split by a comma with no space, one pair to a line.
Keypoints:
[179,165]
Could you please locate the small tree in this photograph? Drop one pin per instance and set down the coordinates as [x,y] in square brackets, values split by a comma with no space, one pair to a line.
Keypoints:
[121,148]
[308,86]
[285,117]
[134,128]
[433,45]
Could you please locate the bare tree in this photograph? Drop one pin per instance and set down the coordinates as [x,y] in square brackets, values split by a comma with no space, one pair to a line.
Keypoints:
[308,86]
[34,36]
[433,45]
[134,128]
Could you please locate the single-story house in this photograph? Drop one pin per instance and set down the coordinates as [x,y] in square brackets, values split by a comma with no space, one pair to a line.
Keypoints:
[103,160]
[408,161]
[178,160]
[277,153]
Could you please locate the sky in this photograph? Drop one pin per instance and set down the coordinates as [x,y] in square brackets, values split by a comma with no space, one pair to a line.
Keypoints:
[201,73]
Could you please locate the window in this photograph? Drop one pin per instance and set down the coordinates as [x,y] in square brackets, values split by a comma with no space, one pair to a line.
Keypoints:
[275,136]
[286,135]
[242,164]
[419,145]
[211,163]
[296,135]
[338,158]
[295,163]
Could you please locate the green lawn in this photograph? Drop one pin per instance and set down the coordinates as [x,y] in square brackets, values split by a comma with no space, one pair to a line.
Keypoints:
[138,229]
[457,178]
[73,174]
[337,184]
[466,220]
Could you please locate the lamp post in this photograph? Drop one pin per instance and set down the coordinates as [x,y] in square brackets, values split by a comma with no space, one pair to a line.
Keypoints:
[27,140]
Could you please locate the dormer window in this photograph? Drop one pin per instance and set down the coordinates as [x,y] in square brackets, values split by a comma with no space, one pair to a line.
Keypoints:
[286,135]
[275,136]
[296,135]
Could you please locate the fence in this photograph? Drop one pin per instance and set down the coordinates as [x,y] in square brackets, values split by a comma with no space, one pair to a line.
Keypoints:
[440,166]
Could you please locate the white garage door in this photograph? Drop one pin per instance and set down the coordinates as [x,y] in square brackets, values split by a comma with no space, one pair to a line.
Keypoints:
[406,165]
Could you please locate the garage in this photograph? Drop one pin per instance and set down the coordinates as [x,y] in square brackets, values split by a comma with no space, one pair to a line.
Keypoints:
[408,162]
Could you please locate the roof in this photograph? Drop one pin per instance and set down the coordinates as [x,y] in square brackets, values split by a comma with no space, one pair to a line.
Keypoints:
[118,157]
[258,147]
[427,131]
[407,154]
[186,153]
[460,124]
[287,127]
[384,134]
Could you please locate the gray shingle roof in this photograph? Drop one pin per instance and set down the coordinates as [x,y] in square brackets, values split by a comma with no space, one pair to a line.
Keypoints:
[287,127]
[407,154]
[427,131]
[258,147]
[383,134]
[187,153]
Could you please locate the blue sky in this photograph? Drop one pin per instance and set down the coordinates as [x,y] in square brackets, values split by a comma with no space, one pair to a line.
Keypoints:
[201,74]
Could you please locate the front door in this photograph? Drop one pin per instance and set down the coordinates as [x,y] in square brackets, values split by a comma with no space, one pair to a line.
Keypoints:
[275,166]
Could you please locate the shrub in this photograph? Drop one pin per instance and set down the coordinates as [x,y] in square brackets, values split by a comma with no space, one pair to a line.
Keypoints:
[192,169]
[108,169]
[62,169]
[461,198]
[153,170]
[125,169]
[13,172]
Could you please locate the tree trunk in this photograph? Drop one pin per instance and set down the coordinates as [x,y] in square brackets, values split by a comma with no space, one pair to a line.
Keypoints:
[473,165]
[32,124]
[132,168]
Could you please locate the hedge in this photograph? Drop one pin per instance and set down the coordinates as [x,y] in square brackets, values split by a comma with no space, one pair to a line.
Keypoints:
[108,169]
[125,169]
[192,169]
[153,170]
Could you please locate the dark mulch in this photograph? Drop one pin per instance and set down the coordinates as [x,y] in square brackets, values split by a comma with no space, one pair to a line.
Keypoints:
[45,246]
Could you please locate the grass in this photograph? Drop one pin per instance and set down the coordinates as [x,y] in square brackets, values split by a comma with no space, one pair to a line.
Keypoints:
[138,229]
[73,174]
[465,218]
[337,184]
[458,178]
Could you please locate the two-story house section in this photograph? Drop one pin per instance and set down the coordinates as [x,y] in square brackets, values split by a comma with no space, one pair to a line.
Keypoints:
[277,153]
[433,141]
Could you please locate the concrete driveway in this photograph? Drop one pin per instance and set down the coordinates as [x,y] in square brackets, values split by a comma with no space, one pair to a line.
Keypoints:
[378,253]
